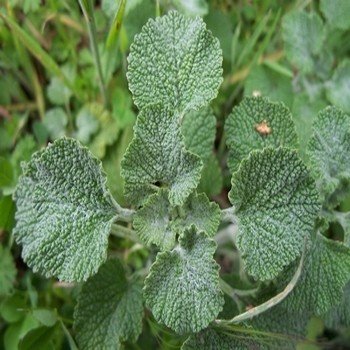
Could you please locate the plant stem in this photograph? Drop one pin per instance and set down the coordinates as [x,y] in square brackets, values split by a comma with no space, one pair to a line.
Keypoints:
[228,215]
[124,232]
[86,7]
[255,311]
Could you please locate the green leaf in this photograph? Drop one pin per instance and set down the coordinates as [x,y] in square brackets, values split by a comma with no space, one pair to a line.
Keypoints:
[108,130]
[338,88]
[336,13]
[199,128]
[192,7]
[7,271]
[175,61]
[6,174]
[55,122]
[211,179]
[304,112]
[64,212]
[157,155]
[87,125]
[303,34]
[326,271]
[284,322]
[276,204]
[46,317]
[158,222]
[339,315]
[57,92]
[236,338]
[109,309]
[257,123]
[213,339]
[17,331]
[264,81]
[7,213]
[329,153]
[182,289]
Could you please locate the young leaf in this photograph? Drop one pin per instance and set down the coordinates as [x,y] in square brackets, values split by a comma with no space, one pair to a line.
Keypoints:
[199,128]
[338,88]
[159,223]
[175,61]
[329,153]
[7,271]
[109,309]
[157,154]
[276,204]
[303,34]
[326,271]
[336,13]
[257,123]
[182,289]
[64,212]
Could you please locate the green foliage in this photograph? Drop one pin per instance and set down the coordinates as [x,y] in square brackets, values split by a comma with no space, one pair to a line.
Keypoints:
[336,12]
[326,271]
[169,51]
[158,222]
[257,123]
[182,289]
[7,271]
[276,204]
[64,212]
[164,161]
[109,309]
[270,270]
[329,153]
[303,34]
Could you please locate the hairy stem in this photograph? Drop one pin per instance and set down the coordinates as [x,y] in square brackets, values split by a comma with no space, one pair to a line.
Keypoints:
[255,311]
[228,215]
[124,232]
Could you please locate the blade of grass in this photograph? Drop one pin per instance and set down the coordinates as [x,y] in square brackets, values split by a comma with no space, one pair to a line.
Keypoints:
[88,12]
[29,69]
[250,45]
[36,50]
[116,24]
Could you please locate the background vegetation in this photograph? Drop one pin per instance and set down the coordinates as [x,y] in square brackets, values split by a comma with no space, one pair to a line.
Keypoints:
[63,72]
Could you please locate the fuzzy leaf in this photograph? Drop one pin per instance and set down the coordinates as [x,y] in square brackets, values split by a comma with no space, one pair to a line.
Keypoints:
[239,338]
[257,123]
[175,61]
[199,128]
[212,339]
[182,289]
[339,315]
[337,13]
[109,309]
[326,271]
[159,223]
[276,204]
[338,88]
[329,153]
[157,155]
[7,271]
[303,34]
[64,212]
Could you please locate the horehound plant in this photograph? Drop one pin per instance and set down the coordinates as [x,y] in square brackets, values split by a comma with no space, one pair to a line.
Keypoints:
[280,209]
